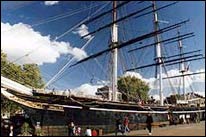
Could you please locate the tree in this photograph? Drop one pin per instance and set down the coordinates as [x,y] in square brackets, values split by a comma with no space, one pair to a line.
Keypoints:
[32,75]
[133,88]
[28,74]
[7,70]
[26,130]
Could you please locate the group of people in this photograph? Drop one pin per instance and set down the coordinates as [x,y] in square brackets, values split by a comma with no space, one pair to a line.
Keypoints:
[73,130]
[77,131]
[184,118]
[123,127]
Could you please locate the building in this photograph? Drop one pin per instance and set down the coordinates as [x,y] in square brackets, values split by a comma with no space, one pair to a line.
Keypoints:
[192,99]
[106,93]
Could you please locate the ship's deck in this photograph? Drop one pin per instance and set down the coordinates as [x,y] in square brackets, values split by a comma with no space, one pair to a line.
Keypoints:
[97,104]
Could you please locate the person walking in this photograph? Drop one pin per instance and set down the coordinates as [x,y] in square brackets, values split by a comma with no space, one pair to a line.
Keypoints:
[78,131]
[11,131]
[126,124]
[94,132]
[118,126]
[88,132]
[149,122]
[71,129]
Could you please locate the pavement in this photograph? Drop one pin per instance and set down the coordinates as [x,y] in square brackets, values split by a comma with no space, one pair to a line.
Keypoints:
[194,129]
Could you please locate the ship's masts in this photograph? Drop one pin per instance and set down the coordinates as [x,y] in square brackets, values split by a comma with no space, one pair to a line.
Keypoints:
[131,41]
[158,53]
[182,66]
[184,91]
[114,53]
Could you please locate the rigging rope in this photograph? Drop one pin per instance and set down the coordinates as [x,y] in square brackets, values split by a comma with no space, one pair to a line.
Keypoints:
[82,22]
[124,66]
[68,63]
[61,35]
[174,92]
[66,74]
[51,18]
[61,16]
[179,89]
[190,85]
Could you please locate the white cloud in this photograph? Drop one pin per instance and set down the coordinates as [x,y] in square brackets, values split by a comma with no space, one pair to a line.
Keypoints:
[175,81]
[86,89]
[78,53]
[150,81]
[190,81]
[20,39]
[50,3]
[102,82]
[82,30]
[133,74]
[156,97]
[199,77]
[200,93]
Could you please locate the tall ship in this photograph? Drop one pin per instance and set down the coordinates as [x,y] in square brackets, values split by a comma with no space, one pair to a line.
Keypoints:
[54,109]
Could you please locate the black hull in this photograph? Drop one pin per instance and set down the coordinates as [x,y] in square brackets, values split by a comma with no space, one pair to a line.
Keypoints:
[104,120]
[94,113]
[55,123]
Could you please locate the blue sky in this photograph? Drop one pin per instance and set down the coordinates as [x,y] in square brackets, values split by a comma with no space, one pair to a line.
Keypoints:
[38,16]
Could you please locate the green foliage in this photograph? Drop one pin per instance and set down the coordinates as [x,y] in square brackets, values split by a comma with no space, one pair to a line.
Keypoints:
[26,130]
[32,75]
[28,74]
[133,88]
[8,106]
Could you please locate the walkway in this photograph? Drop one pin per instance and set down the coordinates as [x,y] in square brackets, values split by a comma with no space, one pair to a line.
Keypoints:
[179,130]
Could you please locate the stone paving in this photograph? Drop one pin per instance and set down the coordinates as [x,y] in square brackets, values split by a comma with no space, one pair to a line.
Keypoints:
[197,129]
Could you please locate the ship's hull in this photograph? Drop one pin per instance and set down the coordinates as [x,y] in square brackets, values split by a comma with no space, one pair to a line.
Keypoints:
[54,117]
[104,120]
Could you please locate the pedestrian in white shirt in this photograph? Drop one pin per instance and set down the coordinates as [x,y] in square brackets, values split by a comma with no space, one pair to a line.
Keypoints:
[88,132]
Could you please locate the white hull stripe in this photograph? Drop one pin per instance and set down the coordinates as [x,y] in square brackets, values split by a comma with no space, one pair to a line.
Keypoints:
[134,111]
